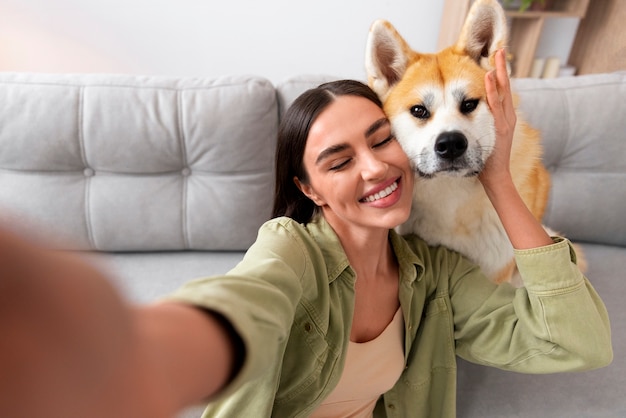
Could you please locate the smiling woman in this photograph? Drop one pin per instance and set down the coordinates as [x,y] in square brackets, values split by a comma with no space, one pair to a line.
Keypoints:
[320,113]
[349,164]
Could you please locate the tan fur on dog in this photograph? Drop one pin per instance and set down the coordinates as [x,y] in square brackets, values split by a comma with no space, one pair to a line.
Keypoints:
[437,105]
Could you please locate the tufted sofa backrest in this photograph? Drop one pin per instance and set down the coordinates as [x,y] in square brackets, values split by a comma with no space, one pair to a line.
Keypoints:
[130,163]
[125,163]
[583,125]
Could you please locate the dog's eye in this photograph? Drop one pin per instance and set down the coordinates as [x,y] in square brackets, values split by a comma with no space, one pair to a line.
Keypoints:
[420,112]
[468,106]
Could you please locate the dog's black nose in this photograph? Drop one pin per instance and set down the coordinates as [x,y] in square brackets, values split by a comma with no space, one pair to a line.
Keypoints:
[450,145]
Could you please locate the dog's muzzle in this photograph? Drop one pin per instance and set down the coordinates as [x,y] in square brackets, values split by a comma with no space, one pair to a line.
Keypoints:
[450,145]
[450,157]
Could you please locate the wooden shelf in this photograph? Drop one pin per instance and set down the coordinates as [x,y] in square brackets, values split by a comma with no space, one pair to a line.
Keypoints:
[524,36]
[600,39]
[524,31]
[531,14]
[555,8]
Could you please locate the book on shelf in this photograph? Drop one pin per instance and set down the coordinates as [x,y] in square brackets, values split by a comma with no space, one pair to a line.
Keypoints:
[551,67]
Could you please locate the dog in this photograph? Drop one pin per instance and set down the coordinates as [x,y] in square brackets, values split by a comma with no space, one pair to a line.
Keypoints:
[437,107]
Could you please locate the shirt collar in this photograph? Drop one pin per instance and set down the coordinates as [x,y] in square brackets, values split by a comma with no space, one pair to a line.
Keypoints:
[411,266]
[330,247]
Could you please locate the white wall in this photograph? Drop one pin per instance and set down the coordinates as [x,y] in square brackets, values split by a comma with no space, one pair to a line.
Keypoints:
[557,38]
[273,38]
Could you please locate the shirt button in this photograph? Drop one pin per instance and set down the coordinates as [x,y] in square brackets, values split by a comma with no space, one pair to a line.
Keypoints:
[391,406]
[307,327]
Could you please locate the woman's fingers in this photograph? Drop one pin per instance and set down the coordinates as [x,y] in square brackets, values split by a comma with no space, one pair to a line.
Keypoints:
[499,95]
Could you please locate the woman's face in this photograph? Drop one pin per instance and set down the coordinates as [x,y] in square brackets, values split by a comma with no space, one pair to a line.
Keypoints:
[358,174]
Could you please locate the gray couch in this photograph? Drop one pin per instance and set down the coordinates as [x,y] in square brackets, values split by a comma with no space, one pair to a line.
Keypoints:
[160,180]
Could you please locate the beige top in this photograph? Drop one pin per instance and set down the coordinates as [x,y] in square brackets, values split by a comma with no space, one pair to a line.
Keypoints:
[371,369]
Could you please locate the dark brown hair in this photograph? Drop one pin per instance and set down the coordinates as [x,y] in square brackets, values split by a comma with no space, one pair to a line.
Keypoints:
[292,137]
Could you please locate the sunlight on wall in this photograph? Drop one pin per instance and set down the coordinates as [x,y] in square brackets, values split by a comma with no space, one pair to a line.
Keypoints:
[275,39]
[29,45]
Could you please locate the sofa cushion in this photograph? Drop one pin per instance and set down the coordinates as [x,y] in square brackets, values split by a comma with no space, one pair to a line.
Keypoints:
[125,163]
[144,277]
[583,123]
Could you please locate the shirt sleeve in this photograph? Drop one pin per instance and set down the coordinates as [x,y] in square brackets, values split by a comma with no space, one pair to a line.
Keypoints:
[258,297]
[556,322]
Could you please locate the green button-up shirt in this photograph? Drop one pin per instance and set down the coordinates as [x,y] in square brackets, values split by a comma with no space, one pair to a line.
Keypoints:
[291,299]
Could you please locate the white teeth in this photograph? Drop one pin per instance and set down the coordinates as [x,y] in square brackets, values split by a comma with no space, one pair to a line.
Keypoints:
[382,193]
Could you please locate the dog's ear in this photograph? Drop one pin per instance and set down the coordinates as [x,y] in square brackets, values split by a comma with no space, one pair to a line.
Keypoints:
[484,32]
[387,57]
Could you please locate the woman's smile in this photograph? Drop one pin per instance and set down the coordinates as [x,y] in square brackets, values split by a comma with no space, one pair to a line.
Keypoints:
[384,195]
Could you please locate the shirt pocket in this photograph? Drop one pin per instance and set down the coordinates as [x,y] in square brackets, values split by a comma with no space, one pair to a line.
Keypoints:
[306,356]
[432,352]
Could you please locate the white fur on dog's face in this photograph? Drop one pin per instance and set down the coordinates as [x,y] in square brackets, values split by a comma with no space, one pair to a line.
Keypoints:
[440,107]
[442,84]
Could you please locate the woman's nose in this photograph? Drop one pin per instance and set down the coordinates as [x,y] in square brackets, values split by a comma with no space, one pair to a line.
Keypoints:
[373,167]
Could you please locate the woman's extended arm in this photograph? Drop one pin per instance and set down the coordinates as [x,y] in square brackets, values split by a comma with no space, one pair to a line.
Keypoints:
[523,229]
[72,347]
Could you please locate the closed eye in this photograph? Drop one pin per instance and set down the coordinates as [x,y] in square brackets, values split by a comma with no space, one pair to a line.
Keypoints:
[342,163]
[339,165]
[384,141]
